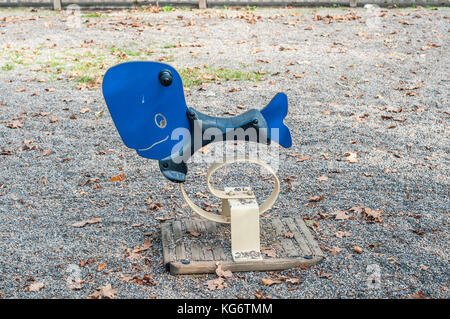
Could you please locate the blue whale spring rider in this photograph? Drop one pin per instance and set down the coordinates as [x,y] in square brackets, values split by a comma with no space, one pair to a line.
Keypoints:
[146,102]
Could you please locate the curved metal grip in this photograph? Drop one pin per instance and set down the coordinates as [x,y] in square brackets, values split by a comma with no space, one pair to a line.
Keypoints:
[267,204]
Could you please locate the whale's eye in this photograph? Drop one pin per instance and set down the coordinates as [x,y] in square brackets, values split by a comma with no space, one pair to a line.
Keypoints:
[160,120]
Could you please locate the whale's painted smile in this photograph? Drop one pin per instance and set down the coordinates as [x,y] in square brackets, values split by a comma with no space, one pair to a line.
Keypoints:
[156,143]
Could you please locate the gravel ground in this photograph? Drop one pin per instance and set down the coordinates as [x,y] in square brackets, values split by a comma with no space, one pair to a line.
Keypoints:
[369,81]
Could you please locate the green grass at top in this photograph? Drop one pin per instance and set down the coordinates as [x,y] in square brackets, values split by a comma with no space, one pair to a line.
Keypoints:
[198,76]
[167,8]
[94,15]
[7,67]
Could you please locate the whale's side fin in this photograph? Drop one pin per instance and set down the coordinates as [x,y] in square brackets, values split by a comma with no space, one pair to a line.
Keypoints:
[274,114]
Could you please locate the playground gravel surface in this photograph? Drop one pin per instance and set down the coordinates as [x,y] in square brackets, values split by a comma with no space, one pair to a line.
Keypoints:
[368,93]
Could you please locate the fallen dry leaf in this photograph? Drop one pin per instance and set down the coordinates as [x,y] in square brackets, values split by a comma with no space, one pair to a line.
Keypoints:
[302,158]
[341,215]
[316,199]
[372,215]
[342,234]
[223,273]
[47,152]
[87,222]
[335,250]
[101,267]
[35,287]
[323,274]
[357,249]
[144,247]
[117,178]
[293,280]
[104,292]
[351,157]
[214,284]
[269,282]
[15,124]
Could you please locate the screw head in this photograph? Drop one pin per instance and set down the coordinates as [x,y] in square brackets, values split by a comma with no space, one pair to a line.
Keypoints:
[165,77]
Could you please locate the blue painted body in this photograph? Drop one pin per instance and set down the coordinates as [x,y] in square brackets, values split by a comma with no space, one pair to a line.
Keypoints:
[135,97]
[145,112]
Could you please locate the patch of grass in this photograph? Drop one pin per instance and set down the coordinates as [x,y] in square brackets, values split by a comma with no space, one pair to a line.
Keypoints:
[198,76]
[169,46]
[92,15]
[128,52]
[16,57]
[7,67]
[167,8]
[85,79]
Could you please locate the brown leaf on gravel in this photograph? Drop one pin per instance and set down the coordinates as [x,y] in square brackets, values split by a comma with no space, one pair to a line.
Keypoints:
[117,178]
[75,284]
[47,152]
[87,222]
[302,158]
[201,195]
[87,261]
[335,250]
[15,124]
[299,76]
[145,280]
[408,88]
[372,215]
[85,110]
[270,282]
[419,295]
[323,274]
[259,295]
[357,249]
[101,267]
[155,206]
[163,219]
[342,234]
[341,215]
[404,22]
[106,292]
[351,157]
[294,281]
[214,284]
[144,247]
[6,152]
[223,273]
[357,209]
[35,287]
[316,199]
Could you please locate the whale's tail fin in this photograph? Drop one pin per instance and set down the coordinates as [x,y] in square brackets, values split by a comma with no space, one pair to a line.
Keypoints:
[274,114]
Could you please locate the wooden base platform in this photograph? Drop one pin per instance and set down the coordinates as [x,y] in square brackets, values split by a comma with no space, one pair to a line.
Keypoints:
[193,246]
